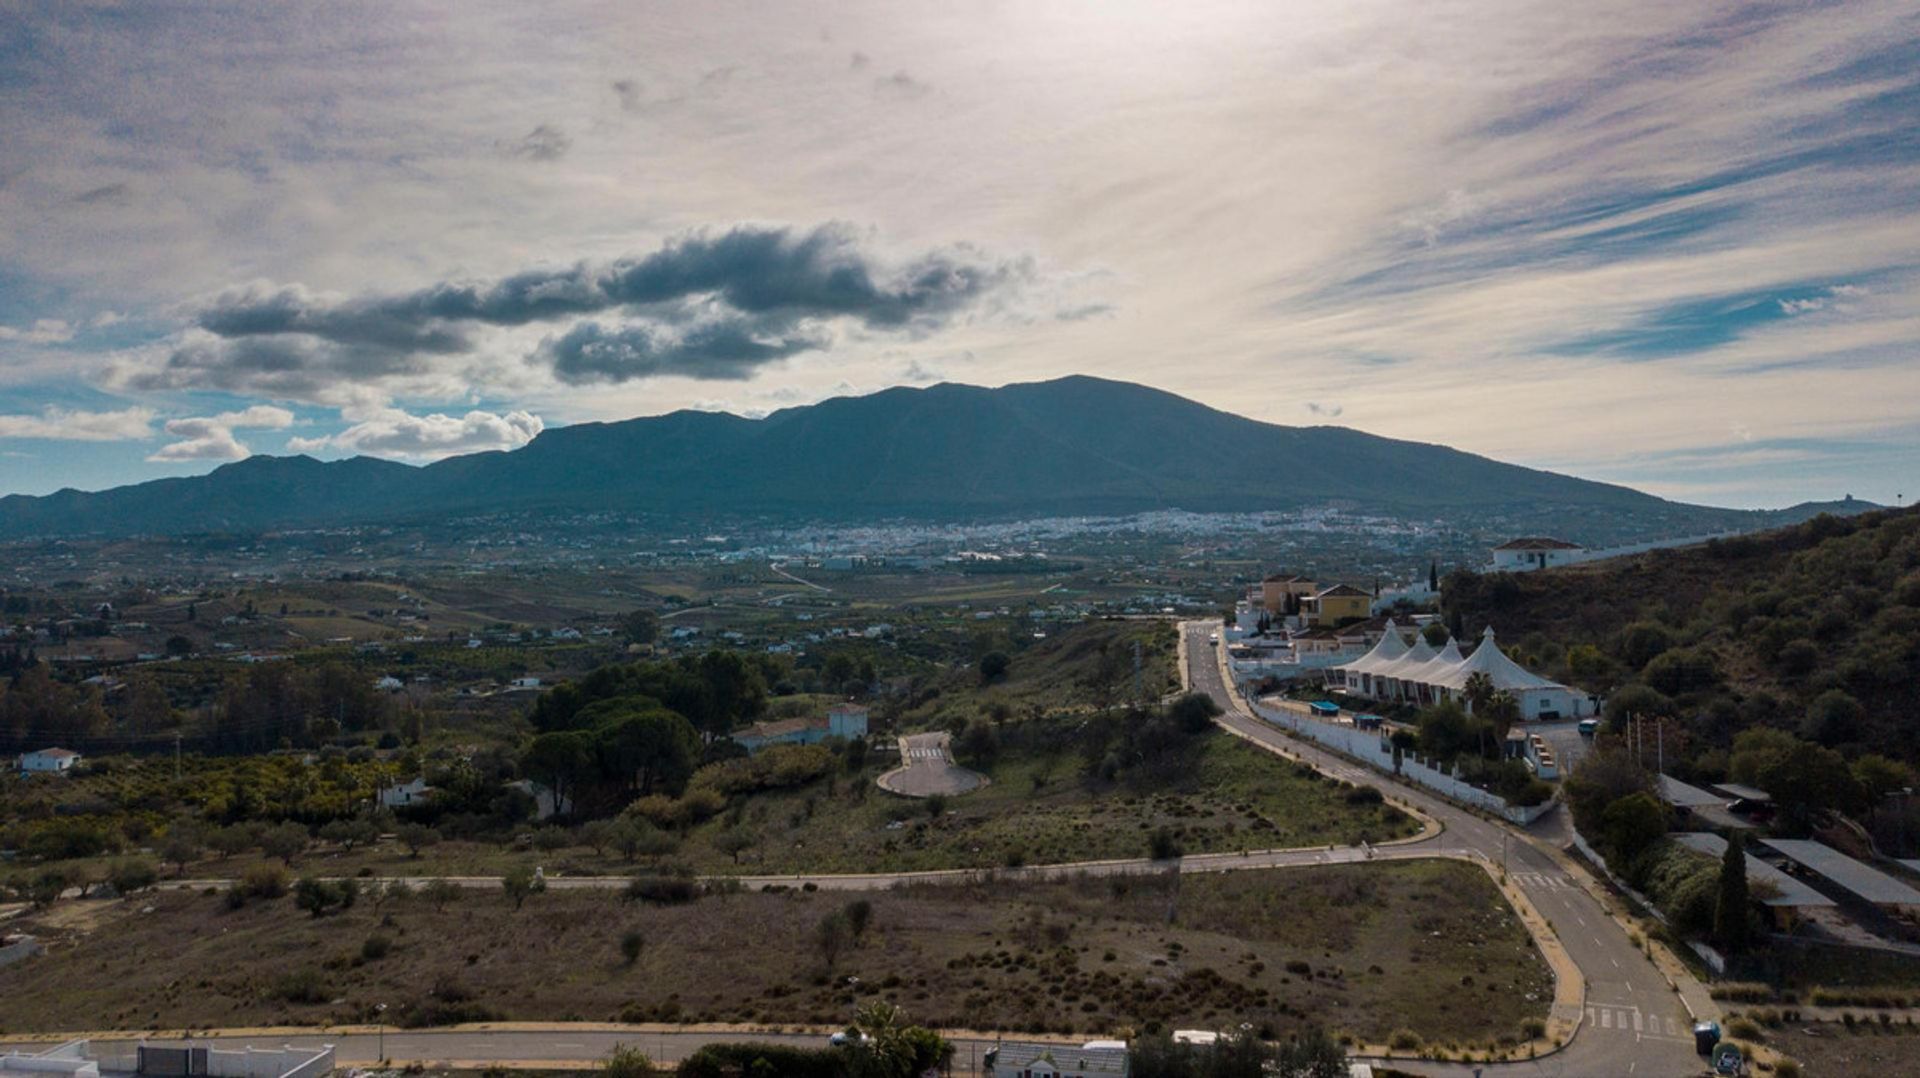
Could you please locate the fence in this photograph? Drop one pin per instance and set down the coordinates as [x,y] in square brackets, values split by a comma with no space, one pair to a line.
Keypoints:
[1372,749]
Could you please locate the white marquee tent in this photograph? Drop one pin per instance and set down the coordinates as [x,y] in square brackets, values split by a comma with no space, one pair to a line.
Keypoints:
[1420,675]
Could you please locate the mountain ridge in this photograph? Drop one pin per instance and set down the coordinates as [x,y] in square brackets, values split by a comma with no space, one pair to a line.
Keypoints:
[1078,445]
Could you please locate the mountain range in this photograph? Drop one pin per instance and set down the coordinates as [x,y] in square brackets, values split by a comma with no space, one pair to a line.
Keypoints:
[1071,446]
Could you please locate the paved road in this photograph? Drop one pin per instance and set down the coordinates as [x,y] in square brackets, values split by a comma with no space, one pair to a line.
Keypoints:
[556,1045]
[1634,1024]
[927,768]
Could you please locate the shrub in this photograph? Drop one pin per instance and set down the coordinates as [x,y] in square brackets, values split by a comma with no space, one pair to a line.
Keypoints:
[1365,795]
[131,875]
[1163,845]
[262,881]
[631,945]
[375,948]
[321,897]
[627,1062]
[664,890]
[301,986]
[1404,1040]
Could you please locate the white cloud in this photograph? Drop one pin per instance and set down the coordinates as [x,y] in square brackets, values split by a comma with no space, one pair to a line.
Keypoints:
[212,438]
[391,432]
[43,331]
[61,424]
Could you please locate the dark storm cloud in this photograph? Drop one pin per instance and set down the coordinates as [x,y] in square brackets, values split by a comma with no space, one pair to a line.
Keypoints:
[729,349]
[712,305]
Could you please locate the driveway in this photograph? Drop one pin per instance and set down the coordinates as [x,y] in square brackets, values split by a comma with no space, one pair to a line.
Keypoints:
[927,768]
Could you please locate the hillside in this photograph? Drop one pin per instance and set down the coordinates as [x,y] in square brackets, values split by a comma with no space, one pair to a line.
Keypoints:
[1813,628]
[1070,446]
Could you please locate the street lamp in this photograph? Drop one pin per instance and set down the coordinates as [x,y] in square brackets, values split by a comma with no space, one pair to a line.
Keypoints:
[380,1015]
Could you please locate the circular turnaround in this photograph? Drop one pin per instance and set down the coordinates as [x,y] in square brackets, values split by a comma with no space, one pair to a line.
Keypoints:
[927,768]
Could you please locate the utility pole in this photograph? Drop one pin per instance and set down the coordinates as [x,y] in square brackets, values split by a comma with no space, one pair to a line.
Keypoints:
[176,756]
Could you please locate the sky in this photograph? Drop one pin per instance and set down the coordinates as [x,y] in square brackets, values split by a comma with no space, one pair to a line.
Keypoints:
[1675,246]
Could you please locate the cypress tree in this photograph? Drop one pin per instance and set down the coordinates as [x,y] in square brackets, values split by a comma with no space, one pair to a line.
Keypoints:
[1731,924]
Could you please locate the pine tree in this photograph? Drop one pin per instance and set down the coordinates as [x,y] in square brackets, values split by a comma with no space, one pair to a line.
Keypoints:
[1731,926]
[1433,575]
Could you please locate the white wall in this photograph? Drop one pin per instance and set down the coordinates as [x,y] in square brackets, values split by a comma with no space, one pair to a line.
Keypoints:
[1367,747]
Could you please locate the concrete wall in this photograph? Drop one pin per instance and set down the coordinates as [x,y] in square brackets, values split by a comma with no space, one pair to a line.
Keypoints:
[1370,748]
[269,1062]
[68,1060]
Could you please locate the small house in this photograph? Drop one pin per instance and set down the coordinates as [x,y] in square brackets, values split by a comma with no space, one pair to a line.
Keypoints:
[48,761]
[412,792]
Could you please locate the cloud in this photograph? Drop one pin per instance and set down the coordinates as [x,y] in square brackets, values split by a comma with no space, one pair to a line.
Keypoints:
[859,61]
[727,349]
[1331,411]
[212,438]
[628,91]
[43,331]
[60,424]
[546,142]
[390,432]
[110,194]
[709,305]
[918,373]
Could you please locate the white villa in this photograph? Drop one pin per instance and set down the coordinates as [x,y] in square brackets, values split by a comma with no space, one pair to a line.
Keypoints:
[49,761]
[1422,675]
[1521,555]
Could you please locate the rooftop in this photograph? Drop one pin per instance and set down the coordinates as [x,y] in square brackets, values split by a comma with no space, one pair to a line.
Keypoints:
[1862,879]
[1066,1056]
[1538,543]
[1787,890]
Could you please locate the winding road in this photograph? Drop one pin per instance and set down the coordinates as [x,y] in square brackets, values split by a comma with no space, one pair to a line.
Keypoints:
[1631,1021]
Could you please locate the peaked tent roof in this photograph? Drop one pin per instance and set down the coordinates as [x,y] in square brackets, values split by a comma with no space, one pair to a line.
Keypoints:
[1416,658]
[1488,659]
[1389,649]
[1446,659]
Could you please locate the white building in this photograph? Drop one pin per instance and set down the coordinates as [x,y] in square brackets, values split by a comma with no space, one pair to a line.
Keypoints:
[1019,1060]
[525,683]
[1523,555]
[413,792]
[48,761]
[1420,675]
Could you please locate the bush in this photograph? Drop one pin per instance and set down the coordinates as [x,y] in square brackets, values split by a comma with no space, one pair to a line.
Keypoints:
[1163,845]
[321,897]
[1405,1040]
[663,890]
[627,1062]
[1365,795]
[734,1060]
[262,881]
[302,986]
[631,945]
[131,875]
[375,948]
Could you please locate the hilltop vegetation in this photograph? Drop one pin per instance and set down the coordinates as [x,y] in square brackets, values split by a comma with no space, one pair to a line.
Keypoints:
[1784,660]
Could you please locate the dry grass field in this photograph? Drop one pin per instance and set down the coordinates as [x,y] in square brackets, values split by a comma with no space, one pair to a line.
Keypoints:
[1366,949]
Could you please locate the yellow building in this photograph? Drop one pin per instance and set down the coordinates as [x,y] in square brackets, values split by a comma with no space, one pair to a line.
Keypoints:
[1337,605]
[1275,589]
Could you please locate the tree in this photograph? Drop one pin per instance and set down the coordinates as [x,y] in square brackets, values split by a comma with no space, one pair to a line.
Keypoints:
[1194,712]
[1879,776]
[130,875]
[1629,828]
[859,915]
[562,760]
[347,834]
[320,897]
[178,645]
[598,835]
[416,837]
[735,841]
[1732,921]
[1833,718]
[518,883]
[643,748]
[993,666]
[1435,634]
[1433,575]
[439,892]
[831,936]
[641,626]
[627,1062]
[285,841]
[631,945]
[182,844]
